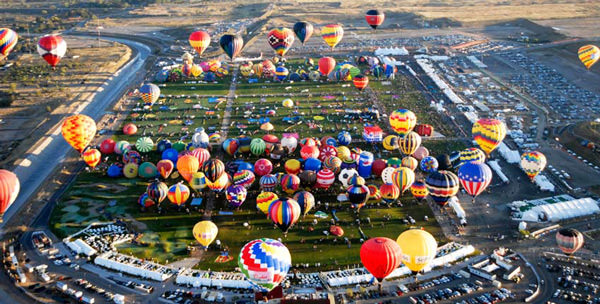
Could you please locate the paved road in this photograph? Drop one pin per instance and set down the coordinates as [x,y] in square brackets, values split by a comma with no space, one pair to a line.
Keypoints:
[51,149]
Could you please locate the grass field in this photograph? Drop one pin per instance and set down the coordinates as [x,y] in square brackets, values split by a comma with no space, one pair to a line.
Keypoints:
[166,237]
[589,131]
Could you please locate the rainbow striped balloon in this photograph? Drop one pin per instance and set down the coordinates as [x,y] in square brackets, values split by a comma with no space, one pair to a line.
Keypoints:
[403,178]
[419,190]
[589,55]
[265,262]
[488,133]
[402,121]
[178,194]
[332,34]
[264,201]
[8,40]
[284,213]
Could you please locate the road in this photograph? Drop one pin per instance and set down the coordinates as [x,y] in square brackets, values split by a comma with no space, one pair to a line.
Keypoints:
[41,160]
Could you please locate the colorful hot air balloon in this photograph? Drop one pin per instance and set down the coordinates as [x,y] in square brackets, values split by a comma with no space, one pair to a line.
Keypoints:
[409,143]
[213,169]
[149,93]
[9,190]
[332,34]
[284,213]
[144,144]
[569,240]
[201,154]
[165,167]
[230,145]
[303,31]
[91,157]
[390,142]
[360,82]
[79,130]
[231,44]
[107,146]
[474,178]
[306,201]
[157,191]
[263,166]
[219,185]
[199,40]
[389,192]
[325,178]
[419,190]
[410,162]
[429,164]
[8,40]
[374,18]
[380,256]
[236,195]
[187,165]
[198,181]
[264,200]
[589,55]
[145,201]
[52,48]
[418,248]
[205,232]
[533,163]
[326,65]
[402,121]
[280,39]
[244,177]
[473,155]
[358,195]
[281,73]
[265,262]
[442,185]
[178,194]
[290,183]
[403,178]
[258,146]
[488,133]
[268,182]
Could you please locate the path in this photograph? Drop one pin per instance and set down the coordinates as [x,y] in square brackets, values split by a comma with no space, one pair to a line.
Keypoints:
[230,100]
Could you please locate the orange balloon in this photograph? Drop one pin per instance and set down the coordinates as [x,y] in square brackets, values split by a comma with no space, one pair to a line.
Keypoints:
[187,165]
[91,157]
[78,131]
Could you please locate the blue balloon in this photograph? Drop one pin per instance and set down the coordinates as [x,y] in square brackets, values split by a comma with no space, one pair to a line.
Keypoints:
[365,164]
[210,77]
[170,154]
[312,164]
[331,141]
[242,165]
[344,138]
[163,145]
[114,170]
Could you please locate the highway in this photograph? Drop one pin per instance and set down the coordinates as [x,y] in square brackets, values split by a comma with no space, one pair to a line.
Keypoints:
[41,160]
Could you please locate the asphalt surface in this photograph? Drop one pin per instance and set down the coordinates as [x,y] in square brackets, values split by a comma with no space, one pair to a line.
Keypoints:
[51,149]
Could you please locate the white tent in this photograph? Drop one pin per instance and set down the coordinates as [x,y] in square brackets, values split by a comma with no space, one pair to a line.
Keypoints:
[391,51]
[561,210]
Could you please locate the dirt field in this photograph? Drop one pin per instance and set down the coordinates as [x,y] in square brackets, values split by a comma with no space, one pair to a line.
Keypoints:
[44,96]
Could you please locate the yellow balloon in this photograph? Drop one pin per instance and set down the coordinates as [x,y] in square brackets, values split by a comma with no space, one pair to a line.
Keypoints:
[418,248]
[205,232]
[130,170]
[390,142]
[409,143]
[288,103]
[343,153]
[589,55]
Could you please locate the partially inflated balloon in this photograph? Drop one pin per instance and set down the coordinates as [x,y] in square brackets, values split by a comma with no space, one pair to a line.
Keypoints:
[52,48]
[303,30]
[205,232]
[589,55]
[79,130]
[231,44]
[332,34]
[265,262]
[9,190]
[281,40]
[199,40]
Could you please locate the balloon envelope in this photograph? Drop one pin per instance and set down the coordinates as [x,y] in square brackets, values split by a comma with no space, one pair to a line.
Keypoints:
[380,256]
[205,232]
[265,262]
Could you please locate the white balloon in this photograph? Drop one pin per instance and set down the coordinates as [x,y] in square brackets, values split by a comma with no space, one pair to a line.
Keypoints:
[386,175]
[345,176]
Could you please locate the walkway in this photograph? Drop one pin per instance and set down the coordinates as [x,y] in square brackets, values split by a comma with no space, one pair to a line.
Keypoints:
[230,100]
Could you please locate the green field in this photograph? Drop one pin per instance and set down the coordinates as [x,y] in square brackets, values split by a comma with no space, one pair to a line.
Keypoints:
[167,236]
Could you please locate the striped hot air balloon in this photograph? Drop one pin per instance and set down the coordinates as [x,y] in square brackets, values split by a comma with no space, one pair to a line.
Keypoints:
[281,40]
[419,190]
[178,194]
[488,133]
[410,162]
[8,40]
[533,163]
[409,143]
[144,144]
[145,201]
[231,44]
[306,201]
[403,178]
[284,213]
[290,183]
[244,178]
[149,93]
[374,18]
[52,48]
[473,155]
[199,40]
[474,178]
[268,182]
[9,190]
[264,200]
[360,82]
[91,157]
[402,121]
[589,55]
[332,34]
[442,185]
[569,240]
[79,130]
[265,263]
[157,191]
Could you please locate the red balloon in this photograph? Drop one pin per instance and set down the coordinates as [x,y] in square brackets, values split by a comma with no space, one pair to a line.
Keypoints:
[9,189]
[309,151]
[378,166]
[380,256]
[263,166]
[326,65]
[336,230]
[129,129]
[360,82]
[107,146]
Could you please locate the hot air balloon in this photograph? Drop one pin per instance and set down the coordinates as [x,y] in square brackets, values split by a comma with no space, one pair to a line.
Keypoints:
[9,190]
[360,82]
[263,166]
[52,48]
[79,130]
[312,164]
[213,169]
[309,151]
[257,146]
[306,201]
[292,166]
[165,167]
[332,34]
[589,55]
[333,163]
[91,157]
[231,44]
[187,165]
[344,138]
[145,201]
[380,256]
[325,178]
[303,31]
[488,133]
[533,163]
[390,142]
[374,18]
[198,181]
[290,183]
[8,40]
[107,146]
[147,170]
[442,185]
[129,129]
[264,200]
[418,248]
[149,93]
[429,164]
[144,144]
[178,194]
[205,232]
[386,175]
[474,178]
[403,178]
[419,190]
[157,191]
[326,65]
[410,162]
[201,154]
[236,195]
[281,73]
[219,185]
[409,143]
[389,192]
[280,39]
[244,178]
[199,40]
[569,240]
[365,164]
[230,145]
[473,155]
[268,182]
[402,121]
[265,262]
[420,153]
[284,213]
[358,195]
[378,166]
